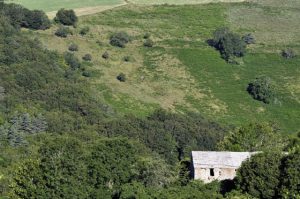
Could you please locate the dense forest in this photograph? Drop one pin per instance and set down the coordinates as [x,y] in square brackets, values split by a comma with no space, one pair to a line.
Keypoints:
[57,140]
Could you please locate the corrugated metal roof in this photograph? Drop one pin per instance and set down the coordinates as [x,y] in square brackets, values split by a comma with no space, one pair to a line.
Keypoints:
[212,159]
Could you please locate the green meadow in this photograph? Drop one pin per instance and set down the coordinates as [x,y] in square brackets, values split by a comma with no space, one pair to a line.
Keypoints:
[181,72]
[54,5]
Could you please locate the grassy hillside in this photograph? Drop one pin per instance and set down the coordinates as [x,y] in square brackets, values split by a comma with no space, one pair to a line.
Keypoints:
[181,72]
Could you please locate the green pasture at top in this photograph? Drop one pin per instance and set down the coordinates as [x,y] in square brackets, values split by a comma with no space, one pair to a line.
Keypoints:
[54,5]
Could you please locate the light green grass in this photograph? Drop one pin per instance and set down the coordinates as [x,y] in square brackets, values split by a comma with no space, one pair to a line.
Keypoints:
[180,2]
[53,5]
[182,72]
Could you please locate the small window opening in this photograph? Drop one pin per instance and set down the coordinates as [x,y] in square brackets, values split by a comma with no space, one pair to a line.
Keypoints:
[211,172]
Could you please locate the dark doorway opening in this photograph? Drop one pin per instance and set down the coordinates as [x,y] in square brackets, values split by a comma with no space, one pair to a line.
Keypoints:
[211,172]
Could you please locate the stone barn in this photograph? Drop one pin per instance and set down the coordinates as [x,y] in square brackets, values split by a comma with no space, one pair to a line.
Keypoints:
[212,165]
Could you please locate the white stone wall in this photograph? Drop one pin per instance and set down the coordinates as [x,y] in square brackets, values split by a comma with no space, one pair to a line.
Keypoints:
[204,174]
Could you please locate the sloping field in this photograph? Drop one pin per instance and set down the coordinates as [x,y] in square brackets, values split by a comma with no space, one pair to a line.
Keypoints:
[181,2]
[181,72]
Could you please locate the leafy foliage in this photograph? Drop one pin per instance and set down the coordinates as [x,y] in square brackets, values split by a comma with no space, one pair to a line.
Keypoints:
[72,61]
[119,39]
[288,53]
[69,167]
[259,176]
[121,77]
[148,43]
[87,57]
[22,17]
[37,81]
[290,176]
[253,137]
[19,126]
[262,89]
[73,47]
[84,30]
[105,55]
[66,17]
[229,44]
[170,135]
[249,39]
[63,31]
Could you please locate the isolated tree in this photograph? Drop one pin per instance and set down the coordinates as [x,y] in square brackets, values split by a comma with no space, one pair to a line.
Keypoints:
[229,44]
[260,175]
[66,17]
[262,89]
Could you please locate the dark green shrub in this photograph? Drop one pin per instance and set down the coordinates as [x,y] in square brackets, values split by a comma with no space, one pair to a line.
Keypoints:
[36,20]
[105,55]
[71,60]
[262,89]
[84,30]
[229,44]
[127,58]
[288,53]
[121,77]
[87,57]
[66,17]
[100,43]
[249,38]
[62,31]
[86,74]
[119,39]
[73,47]
[148,43]
[147,35]
[22,17]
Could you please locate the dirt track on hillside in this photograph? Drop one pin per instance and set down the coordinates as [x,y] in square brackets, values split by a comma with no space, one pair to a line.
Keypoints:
[97,9]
